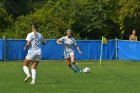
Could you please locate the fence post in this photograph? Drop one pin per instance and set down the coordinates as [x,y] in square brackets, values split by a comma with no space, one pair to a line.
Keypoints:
[5,46]
[116,41]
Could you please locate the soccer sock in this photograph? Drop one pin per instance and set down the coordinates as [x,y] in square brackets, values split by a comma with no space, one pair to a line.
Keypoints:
[33,74]
[73,68]
[26,71]
[76,65]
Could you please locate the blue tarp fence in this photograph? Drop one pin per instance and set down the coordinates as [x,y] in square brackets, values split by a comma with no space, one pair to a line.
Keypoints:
[1,49]
[113,50]
[128,50]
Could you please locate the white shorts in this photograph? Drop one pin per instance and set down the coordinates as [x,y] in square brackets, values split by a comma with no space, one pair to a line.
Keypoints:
[68,54]
[33,56]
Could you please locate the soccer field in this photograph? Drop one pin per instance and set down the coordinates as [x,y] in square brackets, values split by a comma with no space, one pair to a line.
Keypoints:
[56,77]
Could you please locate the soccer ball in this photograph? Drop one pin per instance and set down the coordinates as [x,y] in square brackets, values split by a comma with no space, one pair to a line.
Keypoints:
[86,70]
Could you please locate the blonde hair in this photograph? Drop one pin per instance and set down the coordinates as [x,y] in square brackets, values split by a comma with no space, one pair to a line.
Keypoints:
[69,30]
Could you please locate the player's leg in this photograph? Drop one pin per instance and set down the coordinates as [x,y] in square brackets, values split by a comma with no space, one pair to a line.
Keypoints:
[33,69]
[26,69]
[68,62]
[74,63]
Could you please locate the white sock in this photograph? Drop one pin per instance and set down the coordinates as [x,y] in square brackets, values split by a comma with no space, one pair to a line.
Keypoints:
[26,71]
[33,74]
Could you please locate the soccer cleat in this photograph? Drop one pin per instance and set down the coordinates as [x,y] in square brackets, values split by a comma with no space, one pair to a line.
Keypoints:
[80,70]
[75,71]
[27,78]
[32,82]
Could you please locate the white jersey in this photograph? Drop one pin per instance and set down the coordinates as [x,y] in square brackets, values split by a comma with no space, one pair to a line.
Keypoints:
[68,43]
[35,42]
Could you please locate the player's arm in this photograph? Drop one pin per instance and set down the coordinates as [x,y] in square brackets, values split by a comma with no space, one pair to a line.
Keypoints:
[60,41]
[43,41]
[77,47]
[28,39]
[27,45]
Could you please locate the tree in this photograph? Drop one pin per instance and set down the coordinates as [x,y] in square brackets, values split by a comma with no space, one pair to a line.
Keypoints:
[126,12]
[17,7]
[89,19]
[5,21]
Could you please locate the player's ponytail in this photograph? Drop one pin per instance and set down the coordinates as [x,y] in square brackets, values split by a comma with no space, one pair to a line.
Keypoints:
[34,27]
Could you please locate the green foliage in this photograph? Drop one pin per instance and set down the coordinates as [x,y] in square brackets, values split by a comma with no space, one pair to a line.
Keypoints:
[17,7]
[92,19]
[5,21]
[89,19]
[125,12]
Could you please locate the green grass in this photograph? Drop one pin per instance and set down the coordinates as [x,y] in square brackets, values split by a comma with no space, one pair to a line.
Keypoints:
[56,77]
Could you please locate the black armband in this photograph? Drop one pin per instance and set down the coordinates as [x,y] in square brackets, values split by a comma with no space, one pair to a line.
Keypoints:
[43,42]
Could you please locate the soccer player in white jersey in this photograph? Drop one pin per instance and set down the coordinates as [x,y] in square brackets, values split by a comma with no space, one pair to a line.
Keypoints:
[69,43]
[34,40]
